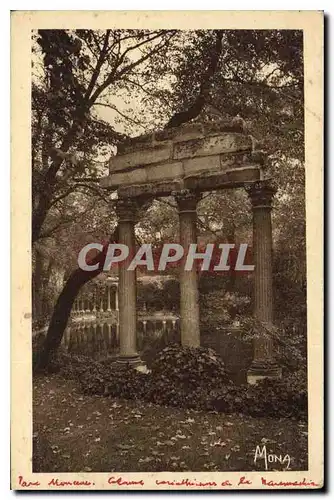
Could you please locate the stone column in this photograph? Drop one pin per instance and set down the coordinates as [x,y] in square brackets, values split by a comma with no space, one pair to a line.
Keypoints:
[117,311]
[94,300]
[108,302]
[190,332]
[109,333]
[116,297]
[127,211]
[261,194]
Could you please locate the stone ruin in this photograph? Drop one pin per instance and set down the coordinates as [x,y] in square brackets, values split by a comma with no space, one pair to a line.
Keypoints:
[195,156]
[184,162]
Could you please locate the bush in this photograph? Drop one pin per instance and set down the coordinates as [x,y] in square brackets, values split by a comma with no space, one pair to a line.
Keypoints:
[190,377]
[189,367]
[157,344]
[285,397]
[183,376]
[114,380]
[72,366]
[180,376]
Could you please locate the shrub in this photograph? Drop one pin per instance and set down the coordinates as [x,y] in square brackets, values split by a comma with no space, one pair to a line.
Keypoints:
[181,376]
[157,344]
[114,380]
[285,397]
[190,377]
[184,376]
[189,367]
[72,366]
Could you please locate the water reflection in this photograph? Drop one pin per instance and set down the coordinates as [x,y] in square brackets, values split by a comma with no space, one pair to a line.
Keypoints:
[99,339]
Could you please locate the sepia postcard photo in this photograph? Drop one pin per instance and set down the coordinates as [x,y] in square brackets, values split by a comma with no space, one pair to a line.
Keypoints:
[167,250]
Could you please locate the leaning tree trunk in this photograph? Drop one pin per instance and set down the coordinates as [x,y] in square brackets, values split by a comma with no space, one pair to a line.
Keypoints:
[37,286]
[62,309]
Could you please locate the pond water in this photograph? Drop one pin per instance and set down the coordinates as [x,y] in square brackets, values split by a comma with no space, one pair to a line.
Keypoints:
[99,337]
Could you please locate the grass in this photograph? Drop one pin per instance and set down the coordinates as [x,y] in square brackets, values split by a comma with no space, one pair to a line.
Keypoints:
[75,433]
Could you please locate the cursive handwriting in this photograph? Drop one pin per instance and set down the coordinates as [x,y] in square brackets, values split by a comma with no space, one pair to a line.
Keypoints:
[185,482]
[58,482]
[188,483]
[122,482]
[27,484]
[243,481]
[288,483]
[271,458]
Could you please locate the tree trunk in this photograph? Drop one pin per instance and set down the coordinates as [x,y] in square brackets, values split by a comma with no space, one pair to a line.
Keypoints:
[204,92]
[62,309]
[37,285]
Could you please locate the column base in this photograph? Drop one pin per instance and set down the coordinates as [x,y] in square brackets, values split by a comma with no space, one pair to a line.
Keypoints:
[133,360]
[261,370]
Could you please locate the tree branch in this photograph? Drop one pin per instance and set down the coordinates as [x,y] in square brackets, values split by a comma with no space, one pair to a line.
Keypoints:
[185,116]
[114,75]
[98,66]
[132,120]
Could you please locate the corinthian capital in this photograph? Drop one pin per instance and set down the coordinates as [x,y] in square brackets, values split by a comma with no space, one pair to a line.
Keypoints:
[186,200]
[132,209]
[261,193]
[127,210]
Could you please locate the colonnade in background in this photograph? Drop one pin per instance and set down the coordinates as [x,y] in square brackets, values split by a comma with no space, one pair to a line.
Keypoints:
[104,300]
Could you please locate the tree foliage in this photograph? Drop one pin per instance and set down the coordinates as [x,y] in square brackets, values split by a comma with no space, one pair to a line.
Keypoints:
[92,88]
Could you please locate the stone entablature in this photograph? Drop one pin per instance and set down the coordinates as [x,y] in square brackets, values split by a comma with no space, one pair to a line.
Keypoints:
[191,151]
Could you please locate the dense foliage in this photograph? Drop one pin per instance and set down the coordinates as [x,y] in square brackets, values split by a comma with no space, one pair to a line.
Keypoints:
[190,378]
[286,397]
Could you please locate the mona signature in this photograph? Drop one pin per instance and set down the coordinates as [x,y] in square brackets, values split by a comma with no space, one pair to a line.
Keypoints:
[270,458]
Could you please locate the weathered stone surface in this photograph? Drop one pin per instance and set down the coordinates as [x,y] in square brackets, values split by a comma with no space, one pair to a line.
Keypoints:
[201,181]
[114,180]
[181,153]
[165,171]
[224,143]
[105,182]
[234,160]
[135,176]
[149,189]
[182,133]
[206,182]
[259,156]
[243,174]
[222,126]
[142,157]
[202,164]
[136,143]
